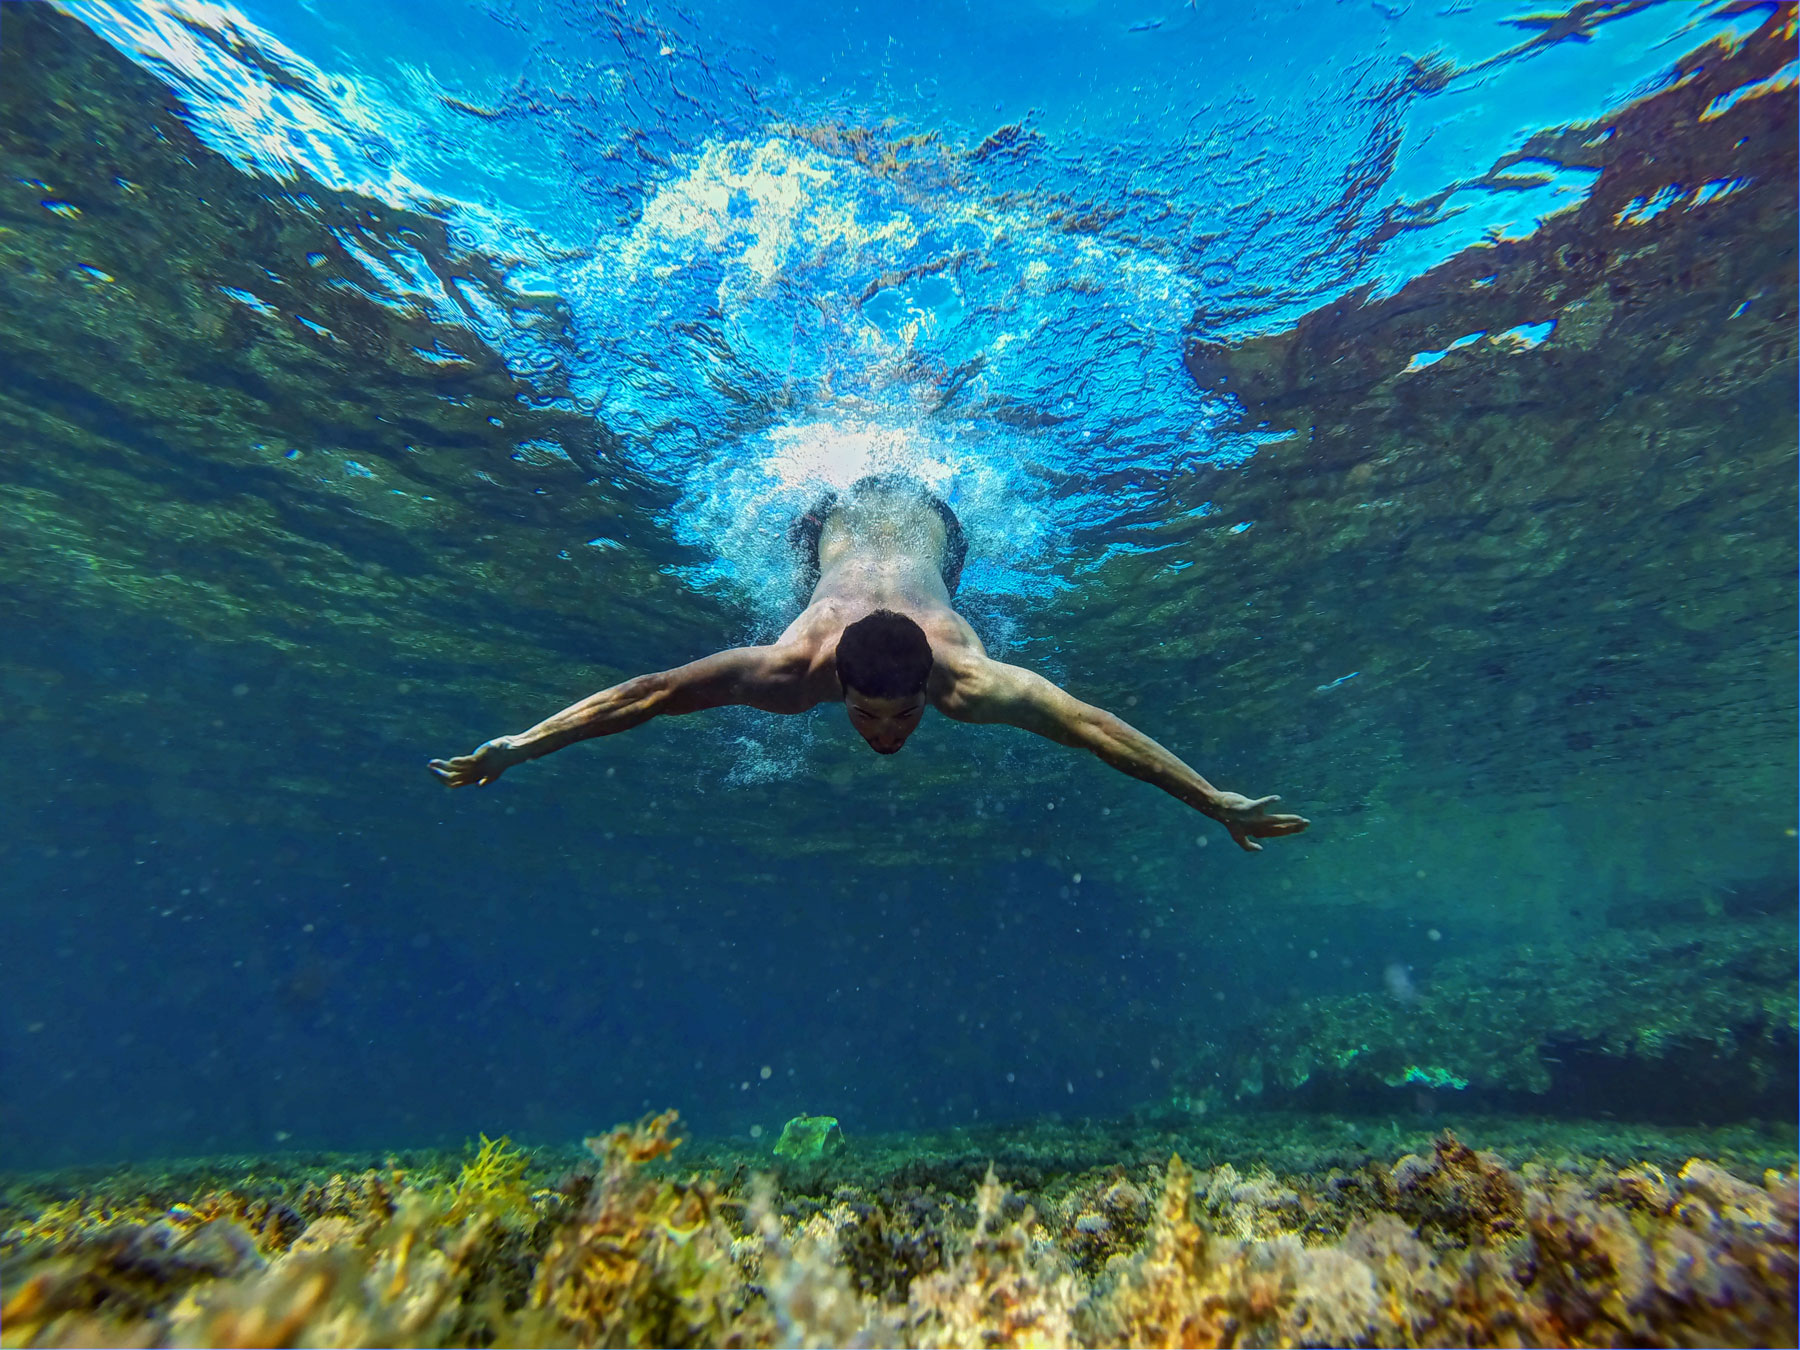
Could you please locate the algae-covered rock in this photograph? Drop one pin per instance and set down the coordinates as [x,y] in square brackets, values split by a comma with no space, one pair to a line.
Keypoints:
[808,1138]
[1631,1008]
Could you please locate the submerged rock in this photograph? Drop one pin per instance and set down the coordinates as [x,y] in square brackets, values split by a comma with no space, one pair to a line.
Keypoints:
[1696,1016]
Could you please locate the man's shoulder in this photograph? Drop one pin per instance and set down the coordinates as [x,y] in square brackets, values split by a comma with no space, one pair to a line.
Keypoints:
[806,654]
[783,677]
[792,662]
[959,681]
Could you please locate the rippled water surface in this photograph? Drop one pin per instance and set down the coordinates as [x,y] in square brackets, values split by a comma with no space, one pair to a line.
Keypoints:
[1390,406]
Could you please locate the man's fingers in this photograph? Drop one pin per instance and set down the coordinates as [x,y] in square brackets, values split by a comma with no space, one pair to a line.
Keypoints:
[1261,802]
[457,772]
[1280,825]
[1246,832]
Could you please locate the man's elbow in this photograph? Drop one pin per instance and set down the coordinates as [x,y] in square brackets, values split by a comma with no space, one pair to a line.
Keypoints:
[1106,735]
[655,695]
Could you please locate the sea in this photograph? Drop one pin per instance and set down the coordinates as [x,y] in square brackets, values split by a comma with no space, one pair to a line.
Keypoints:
[1387,406]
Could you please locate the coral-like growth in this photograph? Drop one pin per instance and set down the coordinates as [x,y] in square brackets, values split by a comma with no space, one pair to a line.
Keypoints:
[813,1296]
[646,1261]
[1468,1196]
[1445,1246]
[493,1182]
[1709,1254]
[1257,1206]
[1104,1221]
[1555,1266]
[407,1283]
[1198,1288]
[362,1259]
[1007,1284]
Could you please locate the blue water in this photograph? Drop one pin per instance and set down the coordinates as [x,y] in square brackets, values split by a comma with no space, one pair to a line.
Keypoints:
[787,246]
[643,165]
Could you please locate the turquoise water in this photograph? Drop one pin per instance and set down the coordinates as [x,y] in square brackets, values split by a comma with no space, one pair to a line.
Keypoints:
[1346,395]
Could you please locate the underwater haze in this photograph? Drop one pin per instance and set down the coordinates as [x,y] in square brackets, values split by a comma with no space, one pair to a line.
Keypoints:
[1390,406]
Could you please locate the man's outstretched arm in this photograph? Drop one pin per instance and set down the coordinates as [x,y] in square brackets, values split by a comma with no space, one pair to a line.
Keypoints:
[991,691]
[770,678]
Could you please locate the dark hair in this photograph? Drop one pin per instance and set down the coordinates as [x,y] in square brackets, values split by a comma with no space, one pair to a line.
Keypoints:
[884,655]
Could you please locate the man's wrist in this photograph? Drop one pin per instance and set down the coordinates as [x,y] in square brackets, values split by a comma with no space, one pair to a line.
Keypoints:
[1207,802]
[509,749]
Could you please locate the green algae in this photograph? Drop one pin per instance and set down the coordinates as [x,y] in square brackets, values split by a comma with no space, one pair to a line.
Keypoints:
[1430,1075]
[809,1138]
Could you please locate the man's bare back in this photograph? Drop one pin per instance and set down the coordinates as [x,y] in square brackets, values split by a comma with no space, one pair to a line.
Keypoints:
[880,614]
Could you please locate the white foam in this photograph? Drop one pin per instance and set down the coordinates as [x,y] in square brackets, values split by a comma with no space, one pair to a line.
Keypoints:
[740,508]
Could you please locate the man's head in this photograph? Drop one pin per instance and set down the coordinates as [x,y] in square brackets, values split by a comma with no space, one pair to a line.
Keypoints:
[883,662]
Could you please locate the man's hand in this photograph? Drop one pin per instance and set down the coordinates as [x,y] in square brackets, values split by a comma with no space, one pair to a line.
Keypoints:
[480,768]
[1247,821]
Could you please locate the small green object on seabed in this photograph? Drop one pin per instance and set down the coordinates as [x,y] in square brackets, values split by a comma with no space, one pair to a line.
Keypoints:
[806,1138]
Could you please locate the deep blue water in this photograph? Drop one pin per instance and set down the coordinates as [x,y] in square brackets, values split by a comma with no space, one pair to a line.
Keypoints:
[786,245]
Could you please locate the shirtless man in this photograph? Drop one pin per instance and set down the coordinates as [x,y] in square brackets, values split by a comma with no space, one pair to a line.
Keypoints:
[880,637]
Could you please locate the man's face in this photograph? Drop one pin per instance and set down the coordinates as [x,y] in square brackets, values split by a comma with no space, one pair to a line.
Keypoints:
[884,723]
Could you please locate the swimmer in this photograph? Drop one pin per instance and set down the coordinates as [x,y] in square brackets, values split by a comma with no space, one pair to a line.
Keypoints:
[880,637]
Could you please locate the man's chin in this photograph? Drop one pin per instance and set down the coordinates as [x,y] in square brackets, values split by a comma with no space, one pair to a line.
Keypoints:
[891,751]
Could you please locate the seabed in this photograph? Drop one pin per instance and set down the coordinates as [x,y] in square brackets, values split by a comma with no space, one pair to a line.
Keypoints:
[1263,1229]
